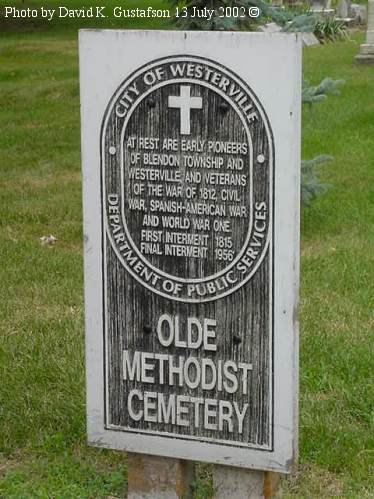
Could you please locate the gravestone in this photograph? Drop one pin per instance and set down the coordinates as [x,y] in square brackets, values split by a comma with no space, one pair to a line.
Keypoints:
[366,54]
[309,39]
[322,7]
[343,10]
[191,157]
[359,13]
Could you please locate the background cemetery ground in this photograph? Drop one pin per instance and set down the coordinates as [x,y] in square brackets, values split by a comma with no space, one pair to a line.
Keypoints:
[42,422]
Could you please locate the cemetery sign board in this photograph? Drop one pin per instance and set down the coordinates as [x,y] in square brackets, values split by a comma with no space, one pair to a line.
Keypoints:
[190,147]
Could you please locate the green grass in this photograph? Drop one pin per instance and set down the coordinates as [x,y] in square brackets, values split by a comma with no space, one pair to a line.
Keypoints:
[337,285]
[42,420]
[64,472]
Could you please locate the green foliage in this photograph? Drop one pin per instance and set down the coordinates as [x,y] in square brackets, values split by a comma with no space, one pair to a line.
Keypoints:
[318,93]
[283,17]
[216,23]
[330,30]
[303,20]
[203,485]
[291,20]
[84,473]
[303,23]
[298,19]
[311,187]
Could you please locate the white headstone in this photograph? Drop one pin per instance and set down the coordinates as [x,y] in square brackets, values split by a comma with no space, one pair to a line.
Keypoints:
[366,54]
[191,159]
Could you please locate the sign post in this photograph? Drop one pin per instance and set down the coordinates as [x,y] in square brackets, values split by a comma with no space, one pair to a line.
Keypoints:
[159,477]
[190,147]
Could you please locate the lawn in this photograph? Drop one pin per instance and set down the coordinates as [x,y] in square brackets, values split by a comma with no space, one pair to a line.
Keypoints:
[42,414]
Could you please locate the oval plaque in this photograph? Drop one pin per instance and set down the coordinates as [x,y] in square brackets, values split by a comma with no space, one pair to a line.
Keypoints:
[187,161]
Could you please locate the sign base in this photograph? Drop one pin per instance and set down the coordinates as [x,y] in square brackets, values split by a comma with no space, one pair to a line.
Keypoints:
[244,484]
[153,477]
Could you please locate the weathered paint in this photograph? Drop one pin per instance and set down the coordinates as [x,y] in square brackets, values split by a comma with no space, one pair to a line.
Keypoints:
[153,477]
[252,317]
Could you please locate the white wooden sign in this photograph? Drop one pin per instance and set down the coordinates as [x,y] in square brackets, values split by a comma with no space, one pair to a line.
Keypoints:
[191,159]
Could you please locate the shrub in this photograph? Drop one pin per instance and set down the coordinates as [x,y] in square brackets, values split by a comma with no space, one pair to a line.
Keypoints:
[330,30]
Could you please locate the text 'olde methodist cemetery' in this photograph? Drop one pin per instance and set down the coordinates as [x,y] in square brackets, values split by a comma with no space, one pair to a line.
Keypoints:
[190,182]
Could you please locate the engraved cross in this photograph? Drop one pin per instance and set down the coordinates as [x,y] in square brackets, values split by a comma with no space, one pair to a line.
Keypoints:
[185,103]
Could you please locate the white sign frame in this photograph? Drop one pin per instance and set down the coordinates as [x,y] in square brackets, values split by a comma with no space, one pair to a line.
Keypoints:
[107,57]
